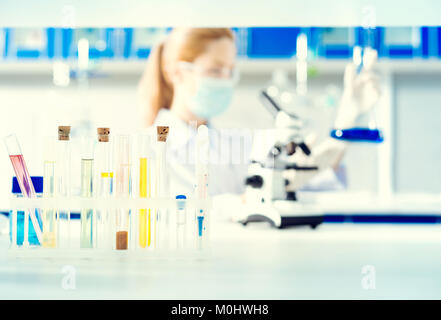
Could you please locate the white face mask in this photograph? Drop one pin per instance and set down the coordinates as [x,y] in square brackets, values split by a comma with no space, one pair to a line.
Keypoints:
[213,97]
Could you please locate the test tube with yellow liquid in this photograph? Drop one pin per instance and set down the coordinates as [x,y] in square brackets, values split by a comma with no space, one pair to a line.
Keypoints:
[103,156]
[146,223]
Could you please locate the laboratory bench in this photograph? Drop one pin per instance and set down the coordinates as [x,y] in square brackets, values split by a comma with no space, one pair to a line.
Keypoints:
[249,262]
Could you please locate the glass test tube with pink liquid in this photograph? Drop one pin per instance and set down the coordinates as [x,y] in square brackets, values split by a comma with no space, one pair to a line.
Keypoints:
[24,181]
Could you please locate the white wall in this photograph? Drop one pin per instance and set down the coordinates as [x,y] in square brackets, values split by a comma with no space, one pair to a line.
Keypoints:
[170,13]
[418,131]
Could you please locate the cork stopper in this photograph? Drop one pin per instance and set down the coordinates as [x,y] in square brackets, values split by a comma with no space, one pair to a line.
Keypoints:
[122,240]
[103,134]
[162,133]
[63,132]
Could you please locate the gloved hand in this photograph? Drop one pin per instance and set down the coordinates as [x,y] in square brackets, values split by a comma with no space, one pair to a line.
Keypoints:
[323,155]
[361,91]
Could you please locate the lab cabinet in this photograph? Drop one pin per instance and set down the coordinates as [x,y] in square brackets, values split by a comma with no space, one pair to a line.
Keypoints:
[328,43]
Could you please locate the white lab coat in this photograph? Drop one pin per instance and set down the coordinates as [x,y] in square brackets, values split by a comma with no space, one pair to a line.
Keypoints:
[225,177]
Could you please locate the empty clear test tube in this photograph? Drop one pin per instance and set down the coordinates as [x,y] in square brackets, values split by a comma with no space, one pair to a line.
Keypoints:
[146,224]
[49,190]
[162,233]
[181,222]
[123,190]
[104,185]
[87,169]
[63,181]
[26,186]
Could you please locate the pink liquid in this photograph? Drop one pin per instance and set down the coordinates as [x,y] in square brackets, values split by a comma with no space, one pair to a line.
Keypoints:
[22,174]
[24,179]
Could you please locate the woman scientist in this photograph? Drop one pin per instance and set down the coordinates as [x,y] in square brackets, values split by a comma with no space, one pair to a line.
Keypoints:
[190,79]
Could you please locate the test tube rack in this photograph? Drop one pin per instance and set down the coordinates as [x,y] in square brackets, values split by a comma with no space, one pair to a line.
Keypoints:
[75,204]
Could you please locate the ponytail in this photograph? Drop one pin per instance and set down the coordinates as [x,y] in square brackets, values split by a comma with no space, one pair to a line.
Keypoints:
[155,91]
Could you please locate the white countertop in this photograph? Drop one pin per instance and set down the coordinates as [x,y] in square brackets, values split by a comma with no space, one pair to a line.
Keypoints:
[253,262]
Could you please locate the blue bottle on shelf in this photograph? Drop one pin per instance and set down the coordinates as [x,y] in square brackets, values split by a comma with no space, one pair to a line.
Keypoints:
[33,240]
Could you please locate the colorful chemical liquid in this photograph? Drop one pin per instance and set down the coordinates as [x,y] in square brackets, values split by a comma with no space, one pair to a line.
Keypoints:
[106,182]
[32,237]
[23,177]
[86,236]
[103,221]
[144,214]
[49,215]
[200,225]
[27,188]
[103,158]
[122,240]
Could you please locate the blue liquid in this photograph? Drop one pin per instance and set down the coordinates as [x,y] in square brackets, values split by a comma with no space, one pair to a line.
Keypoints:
[358,134]
[200,225]
[32,237]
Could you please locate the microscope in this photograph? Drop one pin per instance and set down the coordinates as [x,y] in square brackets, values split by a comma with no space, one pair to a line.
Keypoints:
[269,195]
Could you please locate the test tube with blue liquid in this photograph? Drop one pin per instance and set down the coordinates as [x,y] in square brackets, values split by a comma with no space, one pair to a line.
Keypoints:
[201,190]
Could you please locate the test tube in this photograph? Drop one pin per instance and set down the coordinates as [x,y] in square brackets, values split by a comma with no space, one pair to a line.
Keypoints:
[63,169]
[104,187]
[181,221]
[87,166]
[123,190]
[49,182]
[145,191]
[25,183]
[202,216]
[161,234]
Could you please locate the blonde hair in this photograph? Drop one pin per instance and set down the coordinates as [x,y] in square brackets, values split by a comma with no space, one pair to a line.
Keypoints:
[186,44]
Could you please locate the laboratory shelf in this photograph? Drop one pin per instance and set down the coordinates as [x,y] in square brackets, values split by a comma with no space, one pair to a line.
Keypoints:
[245,66]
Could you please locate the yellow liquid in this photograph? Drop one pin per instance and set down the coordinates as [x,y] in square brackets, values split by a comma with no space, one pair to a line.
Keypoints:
[144,214]
[106,174]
